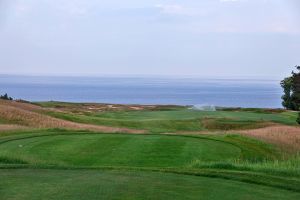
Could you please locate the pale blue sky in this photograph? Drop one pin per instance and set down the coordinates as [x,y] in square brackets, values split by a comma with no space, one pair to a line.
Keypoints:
[205,38]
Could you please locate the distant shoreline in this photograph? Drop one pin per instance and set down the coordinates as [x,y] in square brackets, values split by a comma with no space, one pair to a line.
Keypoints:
[143,76]
[145,91]
[61,103]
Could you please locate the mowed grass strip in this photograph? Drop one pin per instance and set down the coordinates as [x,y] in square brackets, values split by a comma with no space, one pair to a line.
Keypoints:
[179,120]
[119,150]
[25,184]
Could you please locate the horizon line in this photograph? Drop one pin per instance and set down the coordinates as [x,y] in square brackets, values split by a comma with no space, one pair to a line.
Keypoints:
[184,76]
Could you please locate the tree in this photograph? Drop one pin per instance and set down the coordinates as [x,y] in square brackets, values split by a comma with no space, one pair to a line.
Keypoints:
[298,118]
[5,97]
[286,84]
[295,88]
[291,89]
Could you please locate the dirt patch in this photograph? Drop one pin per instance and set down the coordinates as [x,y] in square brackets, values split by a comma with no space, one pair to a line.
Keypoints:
[136,108]
[21,114]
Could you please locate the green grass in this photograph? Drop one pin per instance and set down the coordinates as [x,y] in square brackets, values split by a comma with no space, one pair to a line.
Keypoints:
[186,114]
[74,106]
[64,164]
[38,184]
[119,150]
[289,167]
[56,104]
[9,160]
[226,124]
[180,119]
[158,166]
[4,121]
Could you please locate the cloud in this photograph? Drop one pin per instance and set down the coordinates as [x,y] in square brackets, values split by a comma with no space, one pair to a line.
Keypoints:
[174,9]
[226,1]
[22,8]
[75,8]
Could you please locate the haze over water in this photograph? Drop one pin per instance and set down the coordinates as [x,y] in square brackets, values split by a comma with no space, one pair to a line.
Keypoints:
[127,90]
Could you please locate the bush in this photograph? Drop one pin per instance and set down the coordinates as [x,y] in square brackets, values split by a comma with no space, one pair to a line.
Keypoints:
[298,118]
[5,97]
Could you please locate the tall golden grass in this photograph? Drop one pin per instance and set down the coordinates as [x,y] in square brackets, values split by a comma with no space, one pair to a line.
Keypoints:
[286,137]
[22,114]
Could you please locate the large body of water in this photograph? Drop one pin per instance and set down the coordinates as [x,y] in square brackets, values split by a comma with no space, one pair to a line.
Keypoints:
[219,92]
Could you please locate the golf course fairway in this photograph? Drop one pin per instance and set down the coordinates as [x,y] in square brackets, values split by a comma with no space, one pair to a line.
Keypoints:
[118,150]
[68,151]
[28,184]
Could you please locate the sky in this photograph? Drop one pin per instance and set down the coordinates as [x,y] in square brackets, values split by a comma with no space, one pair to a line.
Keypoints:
[199,38]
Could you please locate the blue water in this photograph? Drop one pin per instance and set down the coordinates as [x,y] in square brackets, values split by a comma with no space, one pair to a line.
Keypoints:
[219,92]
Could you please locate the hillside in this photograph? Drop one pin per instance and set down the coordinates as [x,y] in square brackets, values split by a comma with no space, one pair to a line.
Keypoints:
[56,150]
[18,115]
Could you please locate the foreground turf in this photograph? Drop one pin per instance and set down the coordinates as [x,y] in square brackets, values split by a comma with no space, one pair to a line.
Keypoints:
[68,164]
[119,150]
[25,184]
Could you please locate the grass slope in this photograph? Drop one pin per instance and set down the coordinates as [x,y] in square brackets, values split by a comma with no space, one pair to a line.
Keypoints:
[86,184]
[180,119]
[68,164]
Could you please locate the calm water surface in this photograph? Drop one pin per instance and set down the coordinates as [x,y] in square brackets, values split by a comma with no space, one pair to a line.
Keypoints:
[237,93]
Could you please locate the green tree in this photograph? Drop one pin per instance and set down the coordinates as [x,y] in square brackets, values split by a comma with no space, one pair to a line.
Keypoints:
[5,97]
[298,118]
[286,84]
[295,89]
[291,89]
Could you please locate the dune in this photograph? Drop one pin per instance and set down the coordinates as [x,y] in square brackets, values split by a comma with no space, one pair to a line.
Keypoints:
[28,115]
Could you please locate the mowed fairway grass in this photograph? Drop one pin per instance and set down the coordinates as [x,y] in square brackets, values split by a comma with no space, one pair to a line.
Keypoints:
[180,119]
[119,150]
[162,163]
[28,184]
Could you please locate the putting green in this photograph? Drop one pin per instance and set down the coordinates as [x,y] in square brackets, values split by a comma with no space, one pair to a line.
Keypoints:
[118,150]
[25,184]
